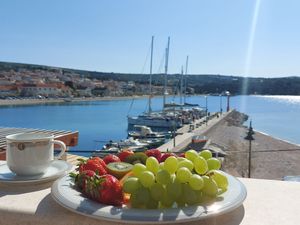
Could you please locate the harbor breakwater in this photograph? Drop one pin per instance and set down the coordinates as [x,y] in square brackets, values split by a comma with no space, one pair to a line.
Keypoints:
[271,158]
[266,157]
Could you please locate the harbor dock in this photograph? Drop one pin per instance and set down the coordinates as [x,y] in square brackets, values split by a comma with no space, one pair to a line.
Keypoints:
[187,132]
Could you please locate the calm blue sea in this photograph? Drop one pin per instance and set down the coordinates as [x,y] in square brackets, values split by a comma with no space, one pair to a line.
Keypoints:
[100,121]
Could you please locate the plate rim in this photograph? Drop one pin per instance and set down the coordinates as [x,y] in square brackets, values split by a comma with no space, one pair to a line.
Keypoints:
[41,180]
[225,210]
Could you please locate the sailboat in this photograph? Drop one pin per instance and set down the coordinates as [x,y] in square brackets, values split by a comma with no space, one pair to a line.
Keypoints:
[187,111]
[163,119]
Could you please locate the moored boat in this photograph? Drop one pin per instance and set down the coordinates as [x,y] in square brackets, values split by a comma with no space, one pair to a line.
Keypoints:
[156,119]
[122,144]
[141,132]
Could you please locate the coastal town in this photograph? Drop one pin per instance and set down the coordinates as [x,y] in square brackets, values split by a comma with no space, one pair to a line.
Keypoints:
[57,83]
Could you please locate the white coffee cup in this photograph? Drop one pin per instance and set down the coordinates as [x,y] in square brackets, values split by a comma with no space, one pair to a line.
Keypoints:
[31,153]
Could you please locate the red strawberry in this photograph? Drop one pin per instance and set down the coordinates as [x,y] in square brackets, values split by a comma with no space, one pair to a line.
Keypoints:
[99,160]
[105,189]
[89,173]
[110,191]
[182,154]
[155,153]
[95,183]
[111,158]
[166,155]
[124,154]
[81,178]
[92,165]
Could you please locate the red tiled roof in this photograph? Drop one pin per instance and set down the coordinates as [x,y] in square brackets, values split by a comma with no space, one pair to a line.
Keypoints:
[8,87]
[38,85]
[46,85]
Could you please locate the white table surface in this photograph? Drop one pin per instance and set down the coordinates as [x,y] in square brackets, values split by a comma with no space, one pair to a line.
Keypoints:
[267,202]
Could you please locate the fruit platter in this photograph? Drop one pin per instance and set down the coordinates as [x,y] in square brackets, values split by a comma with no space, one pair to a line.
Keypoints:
[150,187]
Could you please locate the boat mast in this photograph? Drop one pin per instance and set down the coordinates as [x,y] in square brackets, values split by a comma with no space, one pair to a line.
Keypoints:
[185,77]
[150,80]
[166,72]
[181,85]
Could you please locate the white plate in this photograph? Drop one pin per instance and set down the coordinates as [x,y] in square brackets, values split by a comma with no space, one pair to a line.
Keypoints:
[65,194]
[56,169]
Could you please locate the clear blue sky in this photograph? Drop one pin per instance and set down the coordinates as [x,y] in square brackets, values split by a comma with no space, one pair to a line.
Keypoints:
[114,36]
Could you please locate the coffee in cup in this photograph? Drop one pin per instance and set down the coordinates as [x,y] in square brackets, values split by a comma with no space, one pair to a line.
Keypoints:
[30,154]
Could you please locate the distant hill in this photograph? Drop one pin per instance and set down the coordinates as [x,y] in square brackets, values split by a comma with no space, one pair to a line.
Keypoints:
[202,83]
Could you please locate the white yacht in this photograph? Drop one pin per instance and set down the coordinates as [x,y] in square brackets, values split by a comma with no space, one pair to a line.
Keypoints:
[141,132]
[156,119]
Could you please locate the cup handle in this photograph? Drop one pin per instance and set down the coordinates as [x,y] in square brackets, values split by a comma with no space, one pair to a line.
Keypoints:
[62,146]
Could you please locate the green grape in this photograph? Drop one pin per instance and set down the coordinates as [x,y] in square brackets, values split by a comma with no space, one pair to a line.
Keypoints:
[152,164]
[183,174]
[167,200]
[147,178]
[206,154]
[196,182]
[191,154]
[134,201]
[200,165]
[210,187]
[131,184]
[186,163]
[174,189]
[221,191]
[171,164]
[152,204]
[189,195]
[142,195]
[138,168]
[213,164]
[181,159]
[207,199]
[173,177]
[199,196]
[180,200]
[157,191]
[220,178]
[161,166]
[163,177]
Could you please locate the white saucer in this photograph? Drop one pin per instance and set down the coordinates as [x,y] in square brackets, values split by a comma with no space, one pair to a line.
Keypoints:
[56,169]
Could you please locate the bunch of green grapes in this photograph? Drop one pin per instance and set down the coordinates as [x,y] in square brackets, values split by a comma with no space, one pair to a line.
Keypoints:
[177,182]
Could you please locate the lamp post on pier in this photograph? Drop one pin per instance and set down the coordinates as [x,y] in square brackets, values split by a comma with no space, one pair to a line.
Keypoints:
[174,134]
[250,138]
[221,109]
[227,93]
[174,129]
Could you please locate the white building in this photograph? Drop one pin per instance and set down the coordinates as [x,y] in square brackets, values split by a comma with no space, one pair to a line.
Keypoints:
[47,90]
